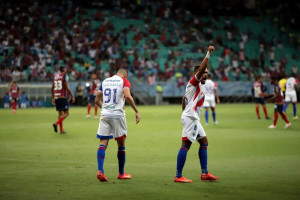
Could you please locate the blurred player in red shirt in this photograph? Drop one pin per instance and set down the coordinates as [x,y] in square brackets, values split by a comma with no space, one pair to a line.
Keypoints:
[279,101]
[60,89]
[258,90]
[14,95]
[93,87]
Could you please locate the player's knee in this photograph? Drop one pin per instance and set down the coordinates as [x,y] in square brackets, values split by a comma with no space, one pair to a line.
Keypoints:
[121,143]
[203,141]
[187,143]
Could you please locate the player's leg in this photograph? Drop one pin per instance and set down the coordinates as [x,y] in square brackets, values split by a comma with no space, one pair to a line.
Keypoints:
[119,128]
[88,110]
[295,111]
[100,159]
[14,107]
[256,100]
[213,110]
[285,106]
[181,158]
[283,115]
[275,117]
[121,159]
[257,110]
[60,113]
[287,100]
[206,115]
[188,137]
[64,115]
[263,103]
[206,105]
[96,111]
[202,153]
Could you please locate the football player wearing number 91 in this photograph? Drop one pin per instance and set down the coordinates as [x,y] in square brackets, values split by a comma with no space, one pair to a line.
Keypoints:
[60,89]
[111,98]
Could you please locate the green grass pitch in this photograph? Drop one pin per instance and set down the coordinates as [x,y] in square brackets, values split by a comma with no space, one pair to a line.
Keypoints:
[252,161]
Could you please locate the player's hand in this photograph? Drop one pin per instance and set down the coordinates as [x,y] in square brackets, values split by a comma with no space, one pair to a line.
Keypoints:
[137,118]
[73,100]
[211,49]
[218,101]
[53,102]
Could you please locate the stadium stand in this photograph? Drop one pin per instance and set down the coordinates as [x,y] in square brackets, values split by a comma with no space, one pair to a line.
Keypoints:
[156,38]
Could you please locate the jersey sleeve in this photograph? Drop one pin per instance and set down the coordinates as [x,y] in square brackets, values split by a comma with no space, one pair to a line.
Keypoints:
[194,81]
[126,83]
[215,85]
[296,81]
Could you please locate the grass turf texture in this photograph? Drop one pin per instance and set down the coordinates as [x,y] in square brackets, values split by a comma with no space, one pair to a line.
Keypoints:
[252,161]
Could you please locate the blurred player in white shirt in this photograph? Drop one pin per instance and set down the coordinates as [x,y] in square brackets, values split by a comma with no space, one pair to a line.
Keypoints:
[211,94]
[93,89]
[291,94]
[192,129]
[111,99]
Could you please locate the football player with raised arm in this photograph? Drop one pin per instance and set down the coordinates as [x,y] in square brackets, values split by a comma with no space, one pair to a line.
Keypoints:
[192,129]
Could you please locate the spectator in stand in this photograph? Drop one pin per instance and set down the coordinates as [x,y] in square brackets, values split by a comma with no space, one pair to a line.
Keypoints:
[23,99]
[6,100]
[79,94]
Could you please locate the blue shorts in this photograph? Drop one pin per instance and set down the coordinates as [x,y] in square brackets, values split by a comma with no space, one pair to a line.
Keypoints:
[260,100]
[278,107]
[92,99]
[61,104]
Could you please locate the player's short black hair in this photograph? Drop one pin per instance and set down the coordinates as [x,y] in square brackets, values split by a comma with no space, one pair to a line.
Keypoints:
[196,68]
[62,68]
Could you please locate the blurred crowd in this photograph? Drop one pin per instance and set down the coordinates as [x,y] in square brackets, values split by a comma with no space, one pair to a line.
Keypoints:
[37,38]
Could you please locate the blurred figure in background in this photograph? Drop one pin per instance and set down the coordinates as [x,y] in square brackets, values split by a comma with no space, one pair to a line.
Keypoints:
[79,94]
[6,100]
[279,100]
[23,99]
[211,94]
[15,94]
[282,83]
[258,90]
[291,94]
[93,88]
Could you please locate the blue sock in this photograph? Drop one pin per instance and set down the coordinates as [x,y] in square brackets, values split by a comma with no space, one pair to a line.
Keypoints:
[203,158]
[100,157]
[295,110]
[214,115]
[285,107]
[181,160]
[206,116]
[122,159]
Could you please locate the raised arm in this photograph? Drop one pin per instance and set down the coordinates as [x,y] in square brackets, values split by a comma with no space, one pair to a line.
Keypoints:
[204,62]
[130,100]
